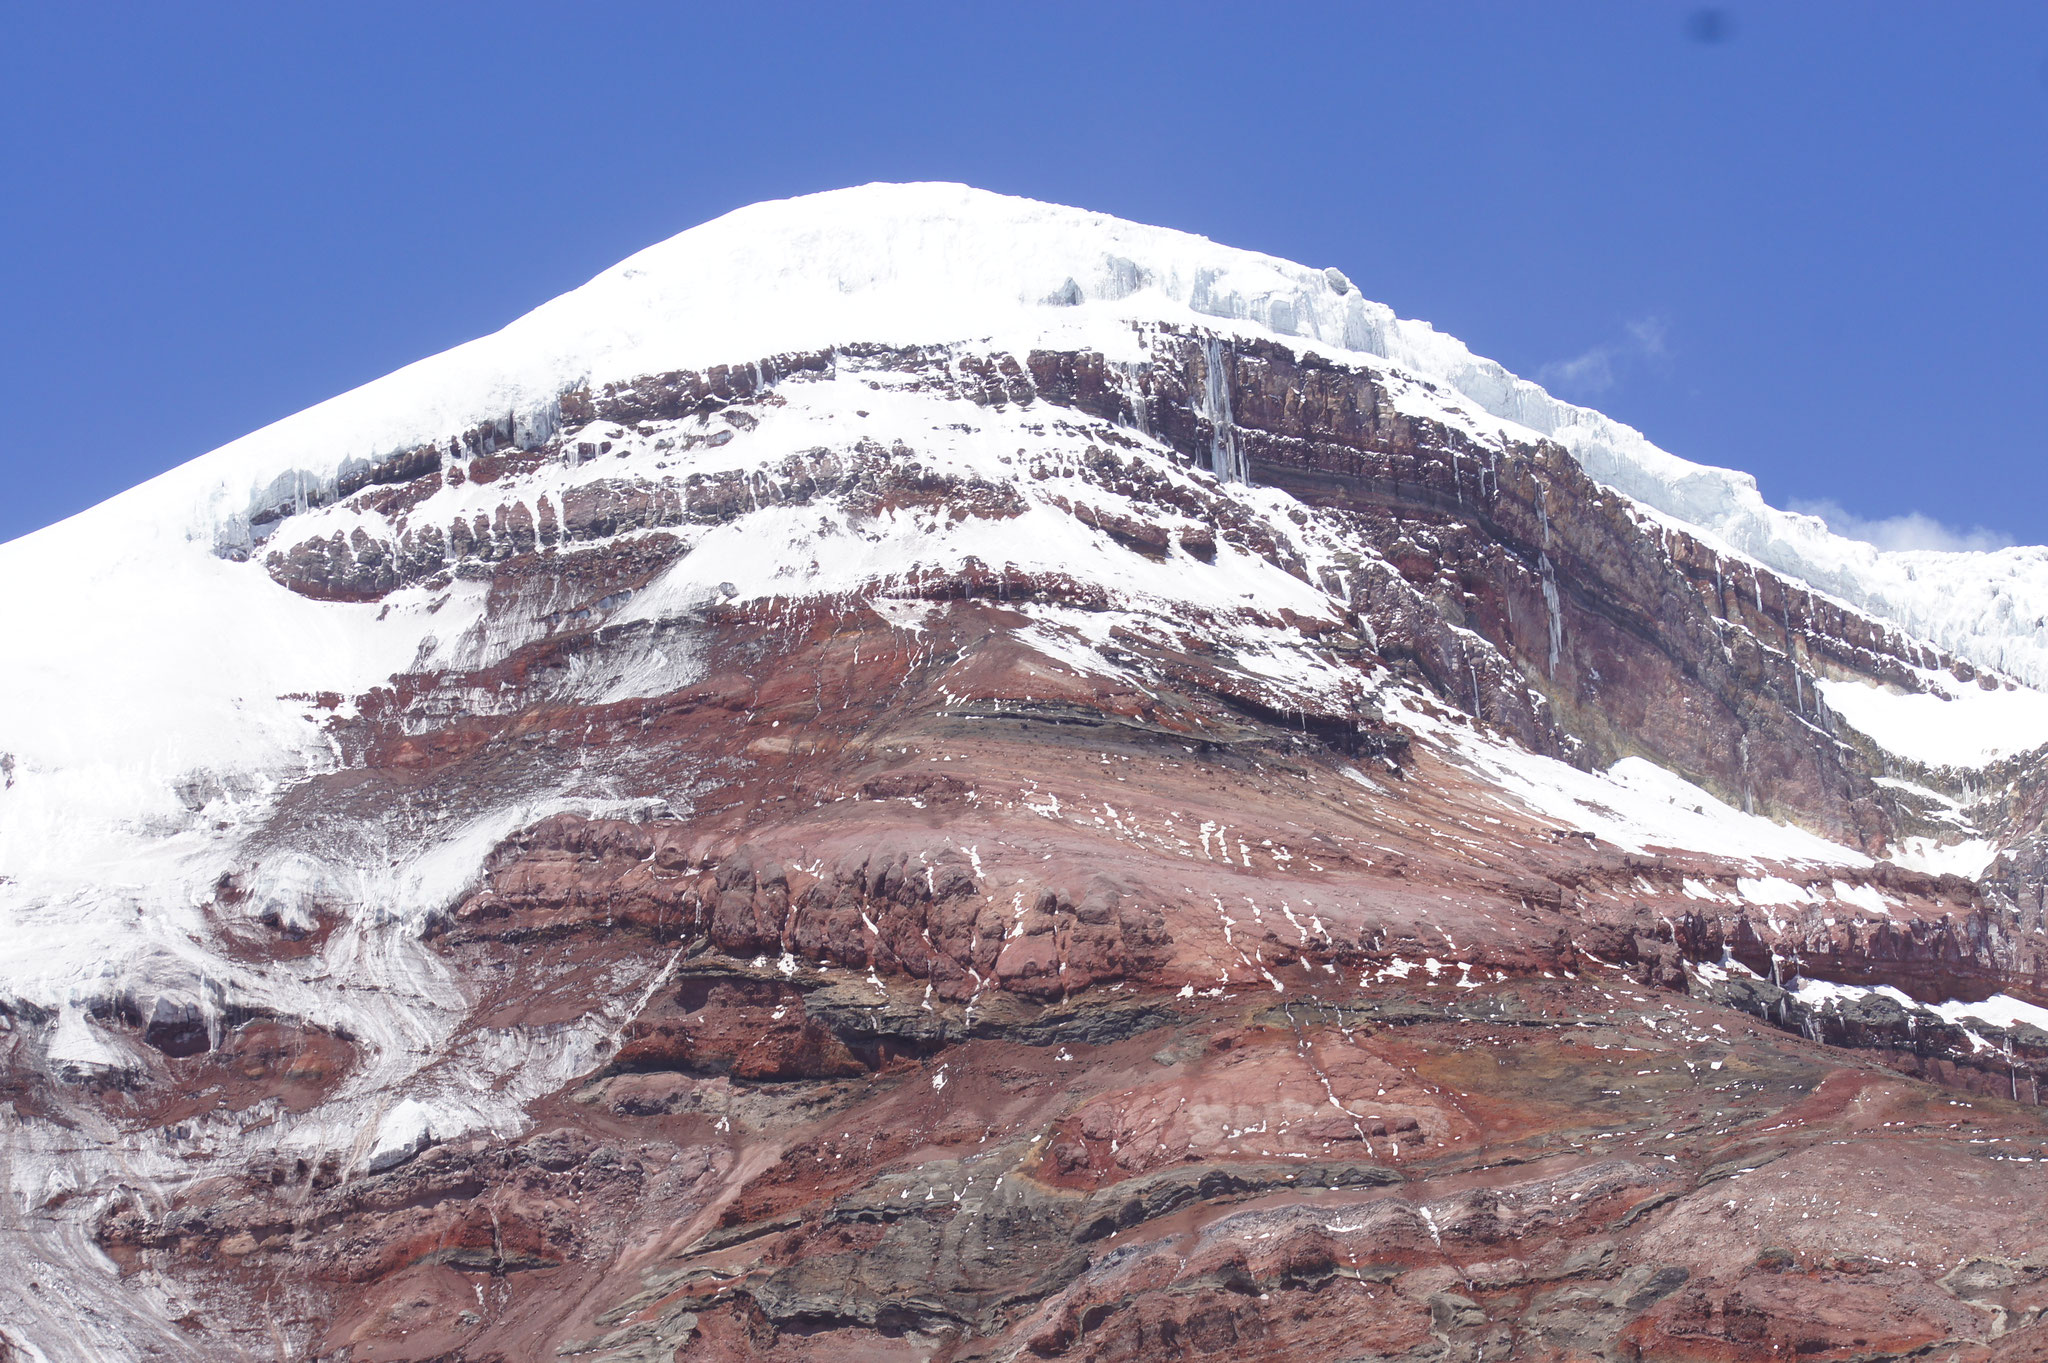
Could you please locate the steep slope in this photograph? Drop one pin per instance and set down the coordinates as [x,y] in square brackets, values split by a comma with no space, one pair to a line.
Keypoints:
[980,778]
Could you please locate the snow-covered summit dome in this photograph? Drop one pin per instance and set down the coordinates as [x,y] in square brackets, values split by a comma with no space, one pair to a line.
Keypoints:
[935,263]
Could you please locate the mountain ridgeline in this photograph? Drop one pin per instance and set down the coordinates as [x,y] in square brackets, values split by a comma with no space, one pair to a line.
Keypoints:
[912,774]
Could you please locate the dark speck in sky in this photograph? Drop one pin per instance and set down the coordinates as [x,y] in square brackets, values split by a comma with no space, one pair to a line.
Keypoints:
[1709,25]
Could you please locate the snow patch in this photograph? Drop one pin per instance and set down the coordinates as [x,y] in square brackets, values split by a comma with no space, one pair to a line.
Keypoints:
[1635,804]
[1949,723]
[2000,1010]
[407,1129]
[1968,858]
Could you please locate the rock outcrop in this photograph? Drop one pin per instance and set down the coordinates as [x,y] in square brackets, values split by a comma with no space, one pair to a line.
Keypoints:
[1187,845]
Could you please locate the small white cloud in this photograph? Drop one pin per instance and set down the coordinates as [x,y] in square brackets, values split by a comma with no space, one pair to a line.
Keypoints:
[1598,369]
[1910,531]
[1648,336]
[1591,372]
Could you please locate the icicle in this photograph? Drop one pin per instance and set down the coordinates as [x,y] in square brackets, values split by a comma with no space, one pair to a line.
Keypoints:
[1792,659]
[1226,461]
[1550,600]
[1141,416]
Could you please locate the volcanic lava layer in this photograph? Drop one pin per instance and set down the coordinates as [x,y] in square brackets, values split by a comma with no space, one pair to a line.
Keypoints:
[1162,838]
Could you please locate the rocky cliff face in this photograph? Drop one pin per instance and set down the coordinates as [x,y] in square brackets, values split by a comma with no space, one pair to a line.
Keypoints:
[1168,835]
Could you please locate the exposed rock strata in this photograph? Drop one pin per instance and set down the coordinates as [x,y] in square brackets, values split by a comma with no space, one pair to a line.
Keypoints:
[964,965]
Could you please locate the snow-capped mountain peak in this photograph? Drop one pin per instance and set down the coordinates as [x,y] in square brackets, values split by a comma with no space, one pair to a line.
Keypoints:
[878,622]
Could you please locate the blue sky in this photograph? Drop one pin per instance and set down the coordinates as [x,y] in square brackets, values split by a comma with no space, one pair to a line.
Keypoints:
[1809,241]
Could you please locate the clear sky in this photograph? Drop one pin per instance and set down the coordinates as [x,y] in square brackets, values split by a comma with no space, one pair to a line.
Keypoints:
[1807,240]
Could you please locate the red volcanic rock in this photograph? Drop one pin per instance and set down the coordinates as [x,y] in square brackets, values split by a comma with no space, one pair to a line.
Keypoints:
[1147,846]
[978,1030]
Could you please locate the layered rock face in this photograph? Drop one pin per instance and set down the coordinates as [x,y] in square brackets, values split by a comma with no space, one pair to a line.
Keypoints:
[1170,838]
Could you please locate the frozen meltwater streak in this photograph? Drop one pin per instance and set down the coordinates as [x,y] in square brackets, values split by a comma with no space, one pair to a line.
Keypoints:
[1226,460]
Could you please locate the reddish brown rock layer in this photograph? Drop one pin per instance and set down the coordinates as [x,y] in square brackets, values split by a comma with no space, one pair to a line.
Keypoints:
[996,1008]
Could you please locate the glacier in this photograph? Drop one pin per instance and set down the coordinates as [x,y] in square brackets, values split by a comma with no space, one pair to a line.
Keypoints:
[163,693]
[936,262]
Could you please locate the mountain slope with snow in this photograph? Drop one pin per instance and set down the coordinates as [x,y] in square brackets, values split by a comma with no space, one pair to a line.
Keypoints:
[745,741]
[931,263]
